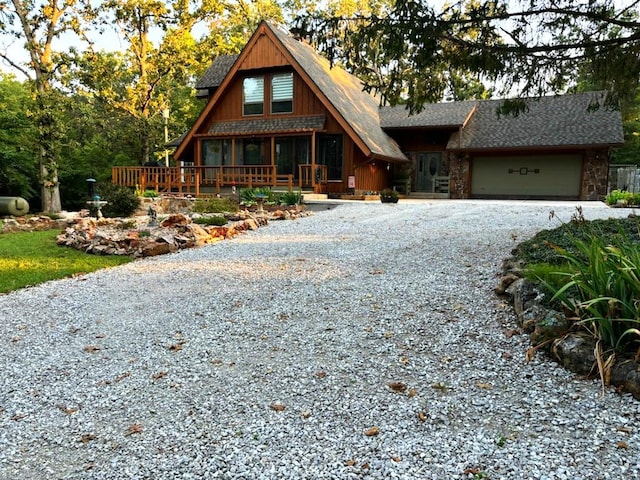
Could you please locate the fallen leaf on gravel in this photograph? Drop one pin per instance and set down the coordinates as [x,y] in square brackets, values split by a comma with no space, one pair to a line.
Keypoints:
[624,429]
[507,355]
[396,459]
[91,348]
[18,416]
[89,466]
[159,375]
[376,272]
[87,437]
[176,347]
[388,334]
[422,416]
[412,392]
[371,432]
[531,353]
[404,361]
[486,386]
[350,463]
[622,445]
[321,374]
[135,428]
[305,414]
[365,466]
[511,332]
[439,386]
[119,378]
[278,407]
[67,410]
[397,386]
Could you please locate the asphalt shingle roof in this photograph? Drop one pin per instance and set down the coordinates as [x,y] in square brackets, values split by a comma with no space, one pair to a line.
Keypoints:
[256,126]
[216,72]
[345,92]
[451,114]
[558,121]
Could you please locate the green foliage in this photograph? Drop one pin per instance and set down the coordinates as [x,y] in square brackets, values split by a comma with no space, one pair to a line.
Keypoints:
[413,52]
[214,205]
[389,194]
[18,152]
[150,194]
[216,220]
[290,198]
[626,198]
[122,201]
[604,289]
[540,248]
[248,195]
[30,258]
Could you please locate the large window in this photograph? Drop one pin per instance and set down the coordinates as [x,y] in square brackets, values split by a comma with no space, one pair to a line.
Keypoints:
[291,152]
[216,152]
[330,154]
[282,93]
[253,96]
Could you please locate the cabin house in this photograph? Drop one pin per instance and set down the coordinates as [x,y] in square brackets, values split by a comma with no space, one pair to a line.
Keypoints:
[278,114]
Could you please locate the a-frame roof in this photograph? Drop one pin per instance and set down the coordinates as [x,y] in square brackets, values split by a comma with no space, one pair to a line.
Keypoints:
[340,92]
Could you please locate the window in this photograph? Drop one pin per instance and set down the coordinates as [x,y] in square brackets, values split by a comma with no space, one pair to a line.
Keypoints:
[329,153]
[253,96]
[282,93]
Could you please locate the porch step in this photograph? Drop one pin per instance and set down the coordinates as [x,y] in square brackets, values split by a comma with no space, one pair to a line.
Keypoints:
[314,196]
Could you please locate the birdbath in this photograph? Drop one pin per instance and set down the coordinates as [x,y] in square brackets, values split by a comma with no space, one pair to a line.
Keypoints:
[97,204]
[260,200]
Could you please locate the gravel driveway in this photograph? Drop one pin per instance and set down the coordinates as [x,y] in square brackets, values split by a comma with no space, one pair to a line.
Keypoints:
[362,342]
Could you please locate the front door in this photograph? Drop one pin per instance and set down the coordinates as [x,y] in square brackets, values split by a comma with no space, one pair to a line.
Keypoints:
[429,165]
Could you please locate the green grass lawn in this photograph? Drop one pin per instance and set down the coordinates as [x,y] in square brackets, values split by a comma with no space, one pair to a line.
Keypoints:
[30,258]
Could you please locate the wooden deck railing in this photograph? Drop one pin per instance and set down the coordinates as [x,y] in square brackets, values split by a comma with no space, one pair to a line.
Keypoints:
[190,179]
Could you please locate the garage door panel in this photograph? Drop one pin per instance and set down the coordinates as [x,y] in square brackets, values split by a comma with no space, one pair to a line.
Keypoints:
[527,176]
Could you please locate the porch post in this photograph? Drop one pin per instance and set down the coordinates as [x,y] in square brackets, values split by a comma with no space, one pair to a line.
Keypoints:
[313,161]
[273,162]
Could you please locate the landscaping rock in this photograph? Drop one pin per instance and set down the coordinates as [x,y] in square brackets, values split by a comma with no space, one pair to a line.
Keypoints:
[551,324]
[575,352]
[626,374]
[523,292]
[117,236]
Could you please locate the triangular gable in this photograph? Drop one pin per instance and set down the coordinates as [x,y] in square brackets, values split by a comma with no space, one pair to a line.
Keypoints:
[340,92]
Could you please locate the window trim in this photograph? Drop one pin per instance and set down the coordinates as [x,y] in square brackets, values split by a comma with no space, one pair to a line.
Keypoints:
[283,100]
[245,104]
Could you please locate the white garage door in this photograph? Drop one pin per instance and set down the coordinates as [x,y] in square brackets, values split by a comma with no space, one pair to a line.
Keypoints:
[526,176]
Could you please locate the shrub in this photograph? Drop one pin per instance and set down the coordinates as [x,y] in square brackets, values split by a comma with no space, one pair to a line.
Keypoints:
[539,249]
[215,220]
[121,201]
[290,198]
[214,205]
[248,195]
[150,194]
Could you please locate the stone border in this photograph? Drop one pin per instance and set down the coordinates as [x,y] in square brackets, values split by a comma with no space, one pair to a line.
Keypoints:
[551,331]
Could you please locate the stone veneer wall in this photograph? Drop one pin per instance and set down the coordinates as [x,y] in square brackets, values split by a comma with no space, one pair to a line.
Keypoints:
[595,172]
[460,176]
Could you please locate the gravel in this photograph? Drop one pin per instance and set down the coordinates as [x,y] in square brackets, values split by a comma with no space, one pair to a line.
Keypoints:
[270,356]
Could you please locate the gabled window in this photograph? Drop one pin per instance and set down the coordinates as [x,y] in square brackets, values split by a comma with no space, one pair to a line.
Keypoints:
[253,96]
[282,93]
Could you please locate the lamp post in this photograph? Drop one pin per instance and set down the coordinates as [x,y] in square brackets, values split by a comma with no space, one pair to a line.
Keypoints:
[165,116]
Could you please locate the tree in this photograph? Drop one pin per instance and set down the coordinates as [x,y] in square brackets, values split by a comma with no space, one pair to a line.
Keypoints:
[159,56]
[18,159]
[530,47]
[38,25]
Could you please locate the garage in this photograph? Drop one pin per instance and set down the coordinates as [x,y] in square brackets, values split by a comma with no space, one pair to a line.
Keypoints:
[526,176]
